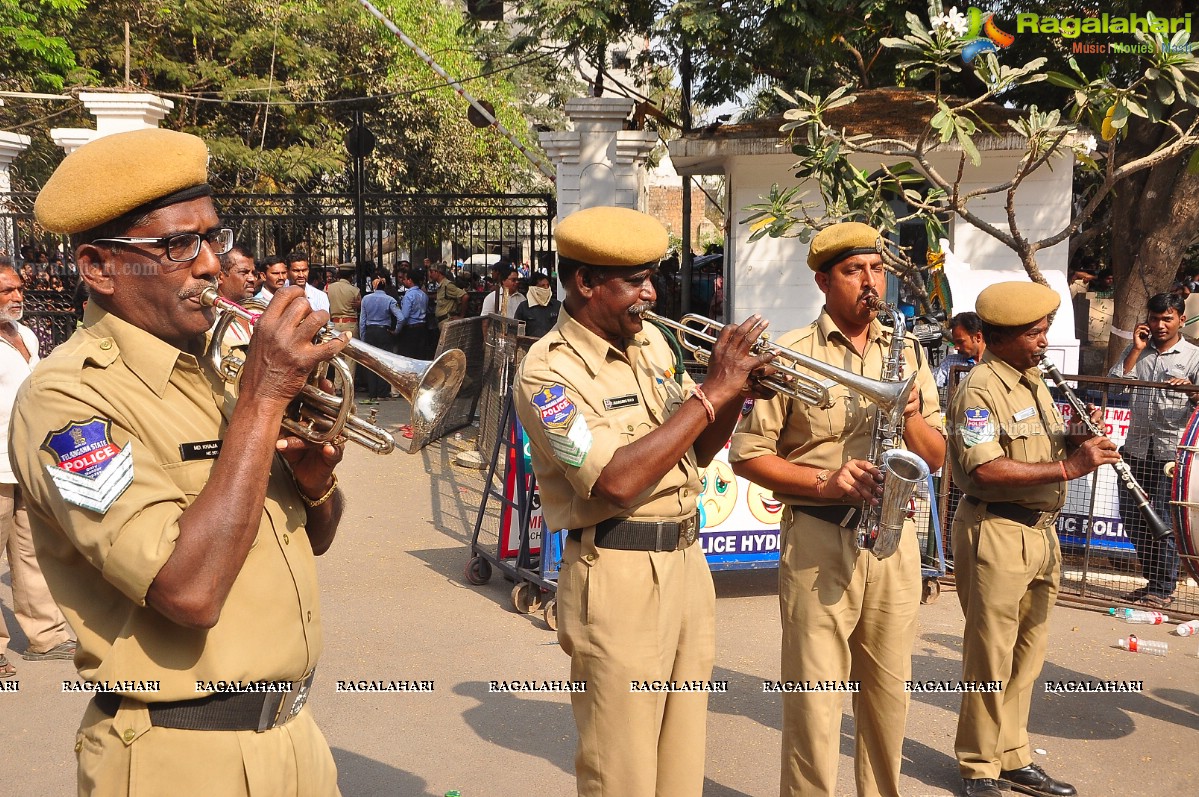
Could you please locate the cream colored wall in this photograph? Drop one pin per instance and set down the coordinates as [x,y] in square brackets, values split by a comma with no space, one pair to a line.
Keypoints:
[770,276]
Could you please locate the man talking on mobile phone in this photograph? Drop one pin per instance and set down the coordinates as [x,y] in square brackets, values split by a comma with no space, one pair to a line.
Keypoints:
[1157,417]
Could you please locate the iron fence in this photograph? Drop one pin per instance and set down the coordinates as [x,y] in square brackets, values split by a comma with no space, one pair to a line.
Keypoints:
[396,226]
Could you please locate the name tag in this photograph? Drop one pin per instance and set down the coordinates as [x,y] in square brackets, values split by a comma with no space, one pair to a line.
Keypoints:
[1025,414]
[206,449]
[616,402]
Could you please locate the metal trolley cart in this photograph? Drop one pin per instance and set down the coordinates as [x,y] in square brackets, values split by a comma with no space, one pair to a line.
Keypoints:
[510,512]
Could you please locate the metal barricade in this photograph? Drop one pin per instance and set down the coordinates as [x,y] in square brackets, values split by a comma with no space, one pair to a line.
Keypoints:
[1098,524]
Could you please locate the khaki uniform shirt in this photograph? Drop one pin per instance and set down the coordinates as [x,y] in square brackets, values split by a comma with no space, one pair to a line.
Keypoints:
[113,387]
[580,399]
[1000,412]
[448,295]
[828,438]
[342,295]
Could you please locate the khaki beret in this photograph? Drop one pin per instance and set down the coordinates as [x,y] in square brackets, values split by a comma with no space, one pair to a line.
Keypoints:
[834,244]
[1015,304]
[107,178]
[607,236]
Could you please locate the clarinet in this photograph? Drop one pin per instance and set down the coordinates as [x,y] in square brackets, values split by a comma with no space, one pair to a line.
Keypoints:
[1158,529]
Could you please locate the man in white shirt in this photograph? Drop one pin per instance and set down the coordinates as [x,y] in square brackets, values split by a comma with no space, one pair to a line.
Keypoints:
[274,277]
[1157,419]
[35,610]
[297,274]
[504,299]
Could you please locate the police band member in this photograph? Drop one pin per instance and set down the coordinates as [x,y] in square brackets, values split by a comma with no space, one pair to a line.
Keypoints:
[846,616]
[185,563]
[1008,450]
[618,439]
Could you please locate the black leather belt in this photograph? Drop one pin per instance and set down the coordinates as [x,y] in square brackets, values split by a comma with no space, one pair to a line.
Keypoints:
[623,534]
[841,515]
[222,711]
[1033,518]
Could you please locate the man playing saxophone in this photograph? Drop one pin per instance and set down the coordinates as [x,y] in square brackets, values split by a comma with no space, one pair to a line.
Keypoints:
[847,616]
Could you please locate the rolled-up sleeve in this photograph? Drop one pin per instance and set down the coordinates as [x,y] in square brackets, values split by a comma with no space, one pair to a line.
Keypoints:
[582,446]
[757,434]
[978,439]
[131,539]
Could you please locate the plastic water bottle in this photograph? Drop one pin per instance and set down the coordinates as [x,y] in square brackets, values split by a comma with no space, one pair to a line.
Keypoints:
[1189,628]
[1149,646]
[1139,616]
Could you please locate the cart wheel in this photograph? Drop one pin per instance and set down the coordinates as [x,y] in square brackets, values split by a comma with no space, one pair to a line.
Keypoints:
[551,614]
[478,571]
[931,590]
[526,598]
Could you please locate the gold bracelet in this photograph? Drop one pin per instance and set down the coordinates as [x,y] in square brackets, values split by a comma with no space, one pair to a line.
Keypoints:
[314,503]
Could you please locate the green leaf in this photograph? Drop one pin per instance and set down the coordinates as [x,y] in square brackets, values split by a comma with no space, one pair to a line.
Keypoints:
[968,147]
[1058,79]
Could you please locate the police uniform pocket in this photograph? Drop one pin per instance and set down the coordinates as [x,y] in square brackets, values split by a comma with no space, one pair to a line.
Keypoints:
[829,423]
[1024,443]
[1001,546]
[631,424]
[190,477]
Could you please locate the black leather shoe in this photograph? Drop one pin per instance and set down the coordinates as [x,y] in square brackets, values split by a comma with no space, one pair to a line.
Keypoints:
[982,787]
[1034,780]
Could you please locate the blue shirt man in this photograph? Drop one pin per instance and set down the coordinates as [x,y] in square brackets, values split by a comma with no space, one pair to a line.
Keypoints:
[413,307]
[378,309]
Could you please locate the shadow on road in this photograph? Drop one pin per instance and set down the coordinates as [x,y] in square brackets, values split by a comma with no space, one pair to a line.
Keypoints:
[359,775]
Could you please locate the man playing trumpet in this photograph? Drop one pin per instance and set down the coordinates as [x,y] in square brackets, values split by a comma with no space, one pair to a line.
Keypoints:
[847,616]
[184,563]
[618,438]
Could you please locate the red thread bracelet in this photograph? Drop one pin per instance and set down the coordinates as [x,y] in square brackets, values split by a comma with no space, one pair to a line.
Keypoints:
[698,392]
[1065,475]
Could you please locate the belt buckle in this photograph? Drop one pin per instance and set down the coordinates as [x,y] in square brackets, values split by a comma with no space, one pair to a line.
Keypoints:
[289,704]
[689,529]
[1043,519]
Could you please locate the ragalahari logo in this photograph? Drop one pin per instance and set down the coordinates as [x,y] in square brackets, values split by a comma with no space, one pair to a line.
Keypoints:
[977,28]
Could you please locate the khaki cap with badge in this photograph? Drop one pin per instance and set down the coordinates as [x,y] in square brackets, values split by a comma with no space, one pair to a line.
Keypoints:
[611,236]
[123,174]
[1016,304]
[833,244]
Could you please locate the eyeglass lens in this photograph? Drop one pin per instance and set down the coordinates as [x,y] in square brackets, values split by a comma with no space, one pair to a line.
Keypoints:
[185,246]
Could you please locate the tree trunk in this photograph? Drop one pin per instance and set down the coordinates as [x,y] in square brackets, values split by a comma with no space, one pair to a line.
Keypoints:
[1154,217]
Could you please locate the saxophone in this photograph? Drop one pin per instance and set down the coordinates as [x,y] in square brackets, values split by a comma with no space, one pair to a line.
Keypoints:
[881,526]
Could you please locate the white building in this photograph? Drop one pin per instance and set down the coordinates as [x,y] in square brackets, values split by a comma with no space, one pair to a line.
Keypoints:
[771,277]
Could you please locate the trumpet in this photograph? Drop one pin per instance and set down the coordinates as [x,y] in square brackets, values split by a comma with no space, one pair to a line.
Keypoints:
[697,334]
[322,417]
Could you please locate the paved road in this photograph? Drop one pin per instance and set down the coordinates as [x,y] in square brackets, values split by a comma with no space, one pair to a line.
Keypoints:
[396,607]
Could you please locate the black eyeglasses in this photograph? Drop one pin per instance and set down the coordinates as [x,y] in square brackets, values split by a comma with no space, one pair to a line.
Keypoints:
[182,247]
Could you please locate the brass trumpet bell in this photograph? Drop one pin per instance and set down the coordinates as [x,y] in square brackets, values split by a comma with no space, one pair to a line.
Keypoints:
[322,417]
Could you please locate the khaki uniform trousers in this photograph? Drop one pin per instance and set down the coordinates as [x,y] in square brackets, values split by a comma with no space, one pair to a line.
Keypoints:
[124,755]
[1007,581]
[846,616]
[352,328]
[34,606]
[628,616]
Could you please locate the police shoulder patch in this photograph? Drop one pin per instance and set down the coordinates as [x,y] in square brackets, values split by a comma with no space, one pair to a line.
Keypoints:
[564,425]
[977,427]
[90,471]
